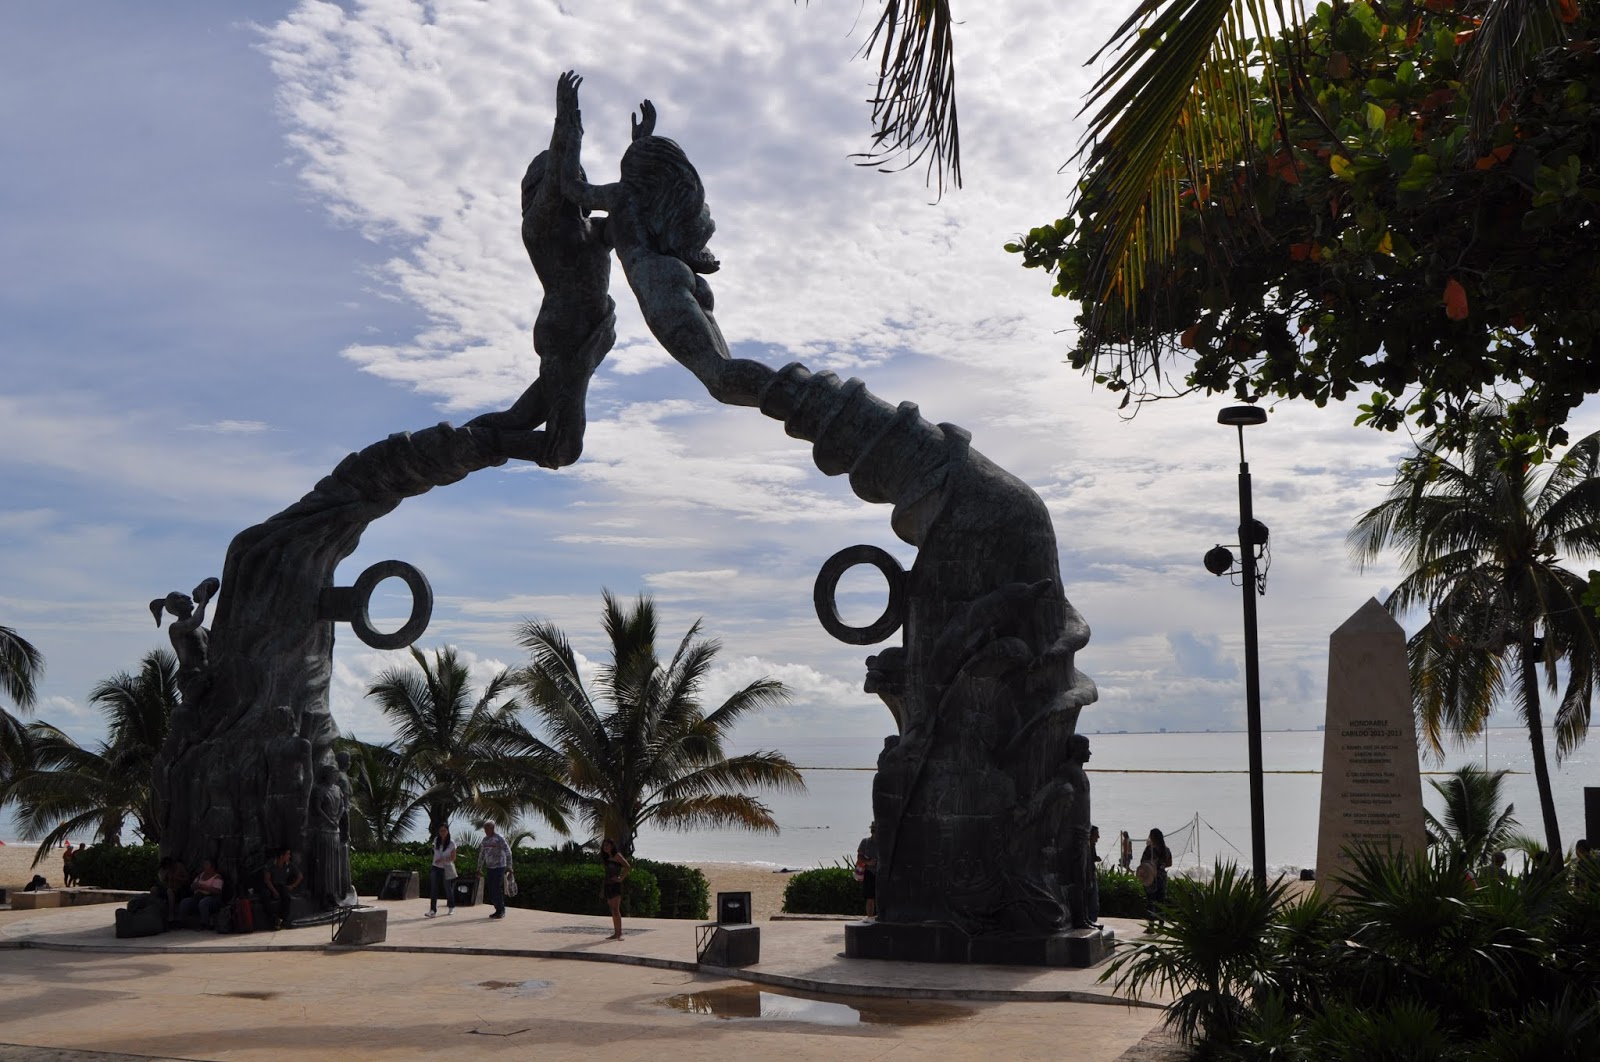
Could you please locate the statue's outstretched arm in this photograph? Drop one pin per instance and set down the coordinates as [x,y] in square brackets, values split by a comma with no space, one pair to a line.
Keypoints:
[569,138]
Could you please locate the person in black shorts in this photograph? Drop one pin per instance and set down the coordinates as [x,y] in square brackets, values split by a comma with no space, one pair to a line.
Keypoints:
[867,864]
[617,868]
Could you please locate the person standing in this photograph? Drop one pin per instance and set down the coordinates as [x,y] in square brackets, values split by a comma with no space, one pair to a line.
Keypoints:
[1091,877]
[442,876]
[1157,857]
[616,869]
[494,856]
[68,878]
[867,864]
[1125,856]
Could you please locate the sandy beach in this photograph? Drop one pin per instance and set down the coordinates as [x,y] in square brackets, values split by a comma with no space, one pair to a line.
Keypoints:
[764,884]
[17,869]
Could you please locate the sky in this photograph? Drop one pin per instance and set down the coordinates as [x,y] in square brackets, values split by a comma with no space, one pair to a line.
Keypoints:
[245,239]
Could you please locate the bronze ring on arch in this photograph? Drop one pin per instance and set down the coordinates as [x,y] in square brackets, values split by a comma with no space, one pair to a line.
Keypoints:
[823,595]
[352,604]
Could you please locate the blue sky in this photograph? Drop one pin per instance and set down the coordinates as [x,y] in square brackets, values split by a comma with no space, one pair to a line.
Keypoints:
[245,239]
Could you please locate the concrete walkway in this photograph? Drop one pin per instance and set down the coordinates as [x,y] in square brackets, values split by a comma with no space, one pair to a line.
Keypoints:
[535,982]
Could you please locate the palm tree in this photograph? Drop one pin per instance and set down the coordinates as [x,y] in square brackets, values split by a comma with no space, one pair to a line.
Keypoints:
[383,802]
[1482,533]
[1475,823]
[653,755]
[466,754]
[66,788]
[21,667]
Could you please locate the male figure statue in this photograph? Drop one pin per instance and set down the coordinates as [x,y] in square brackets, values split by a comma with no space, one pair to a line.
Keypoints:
[571,253]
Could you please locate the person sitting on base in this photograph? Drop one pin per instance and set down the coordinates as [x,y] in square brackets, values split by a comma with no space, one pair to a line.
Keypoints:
[172,887]
[281,877]
[205,896]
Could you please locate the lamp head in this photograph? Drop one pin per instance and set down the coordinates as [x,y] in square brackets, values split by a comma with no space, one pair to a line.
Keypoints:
[1241,416]
[1218,560]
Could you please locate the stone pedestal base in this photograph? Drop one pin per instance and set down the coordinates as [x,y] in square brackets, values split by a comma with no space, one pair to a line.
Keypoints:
[934,942]
[363,925]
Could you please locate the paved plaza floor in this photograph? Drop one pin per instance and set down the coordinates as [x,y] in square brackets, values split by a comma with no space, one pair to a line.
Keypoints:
[536,984]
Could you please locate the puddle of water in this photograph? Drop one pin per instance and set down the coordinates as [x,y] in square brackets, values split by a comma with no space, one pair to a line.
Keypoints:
[521,989]
[753,1003]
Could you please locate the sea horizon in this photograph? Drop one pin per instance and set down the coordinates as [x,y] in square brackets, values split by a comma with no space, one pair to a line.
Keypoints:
[1193,785]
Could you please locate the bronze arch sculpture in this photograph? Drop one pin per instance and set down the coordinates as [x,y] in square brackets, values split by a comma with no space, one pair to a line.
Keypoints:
[980,797]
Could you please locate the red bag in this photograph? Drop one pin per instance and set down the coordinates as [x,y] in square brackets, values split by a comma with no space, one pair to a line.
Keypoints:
[244,918]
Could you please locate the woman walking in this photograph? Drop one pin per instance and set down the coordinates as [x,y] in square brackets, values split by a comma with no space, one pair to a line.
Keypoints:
[617,869]
[1157,858]
[443,874]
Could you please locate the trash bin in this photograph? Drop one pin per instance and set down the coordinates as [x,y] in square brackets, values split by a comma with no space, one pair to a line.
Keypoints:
[733,908]
[466,890]
[399,885]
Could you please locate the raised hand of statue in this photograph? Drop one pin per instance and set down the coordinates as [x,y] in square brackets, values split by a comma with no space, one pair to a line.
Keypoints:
[567,98]
[206,591]
[644,123]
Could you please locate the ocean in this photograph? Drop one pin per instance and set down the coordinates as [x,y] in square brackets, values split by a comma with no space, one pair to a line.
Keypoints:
[1191,786]
[1138,781]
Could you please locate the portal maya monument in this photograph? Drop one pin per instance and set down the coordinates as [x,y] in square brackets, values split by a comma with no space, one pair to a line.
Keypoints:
[980,798]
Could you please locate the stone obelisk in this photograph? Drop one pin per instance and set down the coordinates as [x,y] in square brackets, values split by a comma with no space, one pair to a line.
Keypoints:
[1371,783]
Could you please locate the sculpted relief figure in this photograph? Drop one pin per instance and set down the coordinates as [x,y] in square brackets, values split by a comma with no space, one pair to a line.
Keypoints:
[190,640]
[289,781]
[329,862]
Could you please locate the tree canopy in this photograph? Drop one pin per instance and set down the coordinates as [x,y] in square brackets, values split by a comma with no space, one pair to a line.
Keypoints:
[1365,236]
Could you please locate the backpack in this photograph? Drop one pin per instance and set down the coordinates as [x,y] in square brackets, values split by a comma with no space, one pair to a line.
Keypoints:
[243,917]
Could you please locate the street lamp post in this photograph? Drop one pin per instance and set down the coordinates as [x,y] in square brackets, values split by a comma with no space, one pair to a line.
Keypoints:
[1251,536]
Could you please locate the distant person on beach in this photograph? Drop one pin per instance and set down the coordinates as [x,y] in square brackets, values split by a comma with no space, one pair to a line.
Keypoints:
[1091,877]
[616,869]
[867,869]
[281,877]
[442,876]
[494,856]
[1157,857]
[68,879]
[205,894]
[1125,859]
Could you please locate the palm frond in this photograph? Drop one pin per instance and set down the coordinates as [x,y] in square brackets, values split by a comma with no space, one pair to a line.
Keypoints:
[21,667]
[914,109]
[1173,107]
[1500,53]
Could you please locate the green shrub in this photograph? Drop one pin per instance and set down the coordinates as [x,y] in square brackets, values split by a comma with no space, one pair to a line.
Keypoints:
[128,866]
[576,889]
[1121,895]
[685,893]
[825,890]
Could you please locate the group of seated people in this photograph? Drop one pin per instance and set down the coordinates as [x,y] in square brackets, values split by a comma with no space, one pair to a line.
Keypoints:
[187,898]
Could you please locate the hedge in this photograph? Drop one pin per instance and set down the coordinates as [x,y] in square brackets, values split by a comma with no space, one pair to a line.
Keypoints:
[106,866]
[825,890]
[548,879]
[835,890]
[685,892]
[1121,895]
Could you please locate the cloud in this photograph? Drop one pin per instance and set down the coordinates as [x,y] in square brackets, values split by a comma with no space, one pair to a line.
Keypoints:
[231,427]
